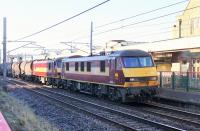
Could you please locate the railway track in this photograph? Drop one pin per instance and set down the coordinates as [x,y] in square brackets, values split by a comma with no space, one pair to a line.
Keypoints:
[190,106]
[174,113]
[123,119]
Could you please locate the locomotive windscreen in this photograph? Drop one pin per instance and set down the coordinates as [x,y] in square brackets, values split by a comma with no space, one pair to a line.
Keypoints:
[134,62]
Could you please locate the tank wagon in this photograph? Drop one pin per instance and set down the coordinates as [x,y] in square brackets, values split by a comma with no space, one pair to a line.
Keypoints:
[22,71]
[26,68]
[16,71]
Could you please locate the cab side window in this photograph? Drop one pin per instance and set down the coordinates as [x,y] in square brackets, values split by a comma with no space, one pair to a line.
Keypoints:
[82,66]
[49,66]
[76,66]
[67,66]
[118,64]
[102,66]
[88,66]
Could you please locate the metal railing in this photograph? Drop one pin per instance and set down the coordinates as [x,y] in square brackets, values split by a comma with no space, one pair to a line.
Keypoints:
[186,81]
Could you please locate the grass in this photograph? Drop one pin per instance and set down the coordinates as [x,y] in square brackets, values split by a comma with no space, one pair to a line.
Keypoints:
[20,117]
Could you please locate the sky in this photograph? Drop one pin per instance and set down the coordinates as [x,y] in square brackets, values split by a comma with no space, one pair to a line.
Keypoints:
[25,17]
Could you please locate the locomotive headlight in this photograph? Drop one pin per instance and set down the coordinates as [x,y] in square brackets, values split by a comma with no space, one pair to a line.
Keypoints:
[132,79]
[154,78]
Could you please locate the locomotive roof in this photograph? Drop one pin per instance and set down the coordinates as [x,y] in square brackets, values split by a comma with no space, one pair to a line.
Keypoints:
[124,53]
[129,53]
[88,58]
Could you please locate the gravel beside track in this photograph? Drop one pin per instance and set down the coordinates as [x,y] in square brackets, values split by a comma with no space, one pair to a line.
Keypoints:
[65,120]
[140,111]
[127,121]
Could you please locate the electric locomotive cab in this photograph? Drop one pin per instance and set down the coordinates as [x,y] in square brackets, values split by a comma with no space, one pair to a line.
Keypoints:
[57,66]
[136,73]
[139,71]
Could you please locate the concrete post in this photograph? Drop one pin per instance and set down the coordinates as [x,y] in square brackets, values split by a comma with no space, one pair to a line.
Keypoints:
[4,49]
[187,82]
[180,26]
[161,81]
[173,80]
[91,33]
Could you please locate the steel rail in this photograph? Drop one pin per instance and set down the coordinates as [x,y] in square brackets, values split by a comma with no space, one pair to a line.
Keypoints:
[140,119]
[185,120]
[128,115]
[173,109]
[124,126]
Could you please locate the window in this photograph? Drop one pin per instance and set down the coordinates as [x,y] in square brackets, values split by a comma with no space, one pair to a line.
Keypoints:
[102,66]
[194,25]
[131,62]
[194,72]
[76,66]
[145,61]
[82,66]
[118,64]
[193,61]
[49,66]
[198,72]
[134,62]
[67,66]
[58,64]
[88,66]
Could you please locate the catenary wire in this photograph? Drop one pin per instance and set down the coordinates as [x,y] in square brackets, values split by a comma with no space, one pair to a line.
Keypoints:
[144,13]
[63,21]
[144,21]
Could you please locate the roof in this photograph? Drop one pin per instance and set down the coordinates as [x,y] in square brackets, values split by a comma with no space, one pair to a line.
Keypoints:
[122,53]
[167,45]
[90,58]
[129,53]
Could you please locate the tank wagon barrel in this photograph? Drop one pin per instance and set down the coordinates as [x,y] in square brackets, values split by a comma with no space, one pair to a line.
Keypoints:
[22,69]
[16,71]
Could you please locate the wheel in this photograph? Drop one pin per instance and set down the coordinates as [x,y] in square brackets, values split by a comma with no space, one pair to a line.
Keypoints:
[112,94]
[98,91]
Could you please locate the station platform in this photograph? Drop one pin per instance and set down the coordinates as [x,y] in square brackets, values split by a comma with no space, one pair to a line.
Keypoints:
[181,96]
[3,124]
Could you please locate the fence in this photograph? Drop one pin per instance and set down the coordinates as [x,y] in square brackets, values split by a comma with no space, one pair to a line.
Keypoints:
[187,81]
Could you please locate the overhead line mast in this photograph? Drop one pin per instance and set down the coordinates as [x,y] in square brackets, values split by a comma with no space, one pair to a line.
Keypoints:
[4,50]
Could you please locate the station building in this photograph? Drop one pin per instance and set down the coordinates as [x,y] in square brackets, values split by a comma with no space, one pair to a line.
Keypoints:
[181,53]
[188,24]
